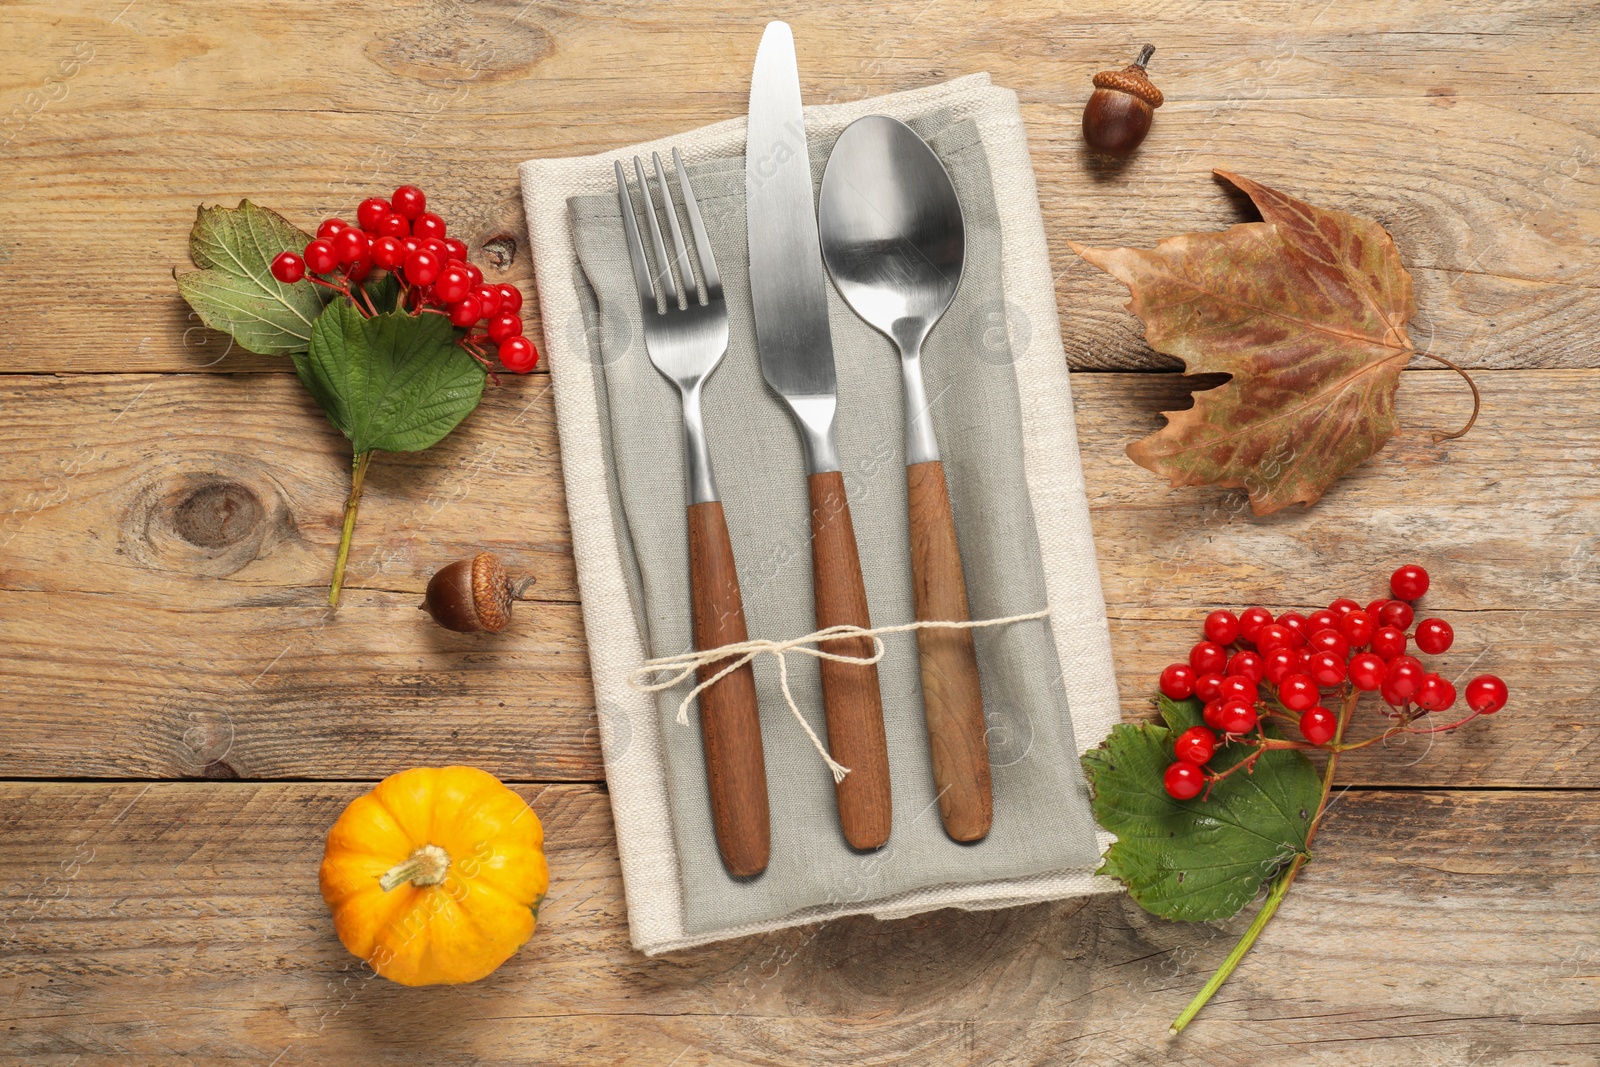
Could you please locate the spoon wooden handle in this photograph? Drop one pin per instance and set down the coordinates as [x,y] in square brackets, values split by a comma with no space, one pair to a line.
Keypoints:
[850,696]
[951,696]
[730,722]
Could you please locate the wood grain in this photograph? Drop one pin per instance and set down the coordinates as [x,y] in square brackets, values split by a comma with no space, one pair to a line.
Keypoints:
[132,650]
[730,720]
[951,694]
[157,922]
[1470,135]
[851,699]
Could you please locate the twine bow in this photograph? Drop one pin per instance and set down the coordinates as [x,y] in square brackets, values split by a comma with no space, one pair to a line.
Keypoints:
[687,663]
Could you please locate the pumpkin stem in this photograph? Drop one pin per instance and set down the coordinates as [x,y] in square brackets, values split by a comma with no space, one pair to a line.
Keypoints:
[424,867]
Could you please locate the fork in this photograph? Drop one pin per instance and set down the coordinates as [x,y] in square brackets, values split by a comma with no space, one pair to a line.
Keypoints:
[686,339]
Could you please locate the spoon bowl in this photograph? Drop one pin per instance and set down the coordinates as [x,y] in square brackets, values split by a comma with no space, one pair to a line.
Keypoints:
[891,229]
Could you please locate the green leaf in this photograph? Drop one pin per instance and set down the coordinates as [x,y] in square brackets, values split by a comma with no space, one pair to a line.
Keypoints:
[397,382]
[1199,859]
[234,290]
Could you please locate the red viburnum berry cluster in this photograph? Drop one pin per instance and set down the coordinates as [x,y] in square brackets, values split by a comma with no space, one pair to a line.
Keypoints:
[1253,667]
[401,236]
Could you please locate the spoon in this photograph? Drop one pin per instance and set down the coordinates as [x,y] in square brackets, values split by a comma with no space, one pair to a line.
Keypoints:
[894,241]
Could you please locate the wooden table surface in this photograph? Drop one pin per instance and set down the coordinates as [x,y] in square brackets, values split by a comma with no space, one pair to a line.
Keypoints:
[183,717]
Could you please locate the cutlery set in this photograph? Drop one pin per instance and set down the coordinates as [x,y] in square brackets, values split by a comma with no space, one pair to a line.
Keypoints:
[887,225]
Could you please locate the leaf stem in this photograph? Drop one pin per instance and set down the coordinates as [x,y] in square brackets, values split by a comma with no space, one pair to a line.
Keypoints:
[1477,400]
[358,474]
[1280,887]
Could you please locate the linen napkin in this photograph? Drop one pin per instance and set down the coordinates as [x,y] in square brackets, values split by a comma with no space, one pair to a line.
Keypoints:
[1002,412]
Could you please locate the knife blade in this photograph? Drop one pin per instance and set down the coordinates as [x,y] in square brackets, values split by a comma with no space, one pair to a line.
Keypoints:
[790,299]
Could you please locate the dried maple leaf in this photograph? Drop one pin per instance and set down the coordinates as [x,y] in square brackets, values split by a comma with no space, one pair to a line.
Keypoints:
[1306,310]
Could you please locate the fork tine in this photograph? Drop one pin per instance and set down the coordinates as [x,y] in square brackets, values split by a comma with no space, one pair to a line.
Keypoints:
[690,286]
[702,246]
[667,284]
[630,227]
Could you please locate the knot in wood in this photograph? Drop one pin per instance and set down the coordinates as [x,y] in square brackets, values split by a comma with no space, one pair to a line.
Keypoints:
[217,514]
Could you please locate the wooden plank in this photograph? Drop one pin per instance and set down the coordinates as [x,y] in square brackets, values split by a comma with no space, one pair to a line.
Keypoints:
[134,650]
[233,487]
[1211,51]
[194,520]
[1464,133]
[180,922]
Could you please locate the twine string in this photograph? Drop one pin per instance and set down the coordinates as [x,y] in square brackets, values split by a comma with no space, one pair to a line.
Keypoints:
[677,668]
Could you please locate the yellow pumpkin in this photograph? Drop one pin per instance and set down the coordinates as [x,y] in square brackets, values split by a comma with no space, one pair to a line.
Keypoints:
[436,875]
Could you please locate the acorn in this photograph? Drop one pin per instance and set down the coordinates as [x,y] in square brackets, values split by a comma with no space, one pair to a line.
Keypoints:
[1118,114]
[471,595]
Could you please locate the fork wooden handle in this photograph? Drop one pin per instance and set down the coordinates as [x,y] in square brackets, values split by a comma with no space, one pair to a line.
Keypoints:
[850,696]
[951,697]
[730,722]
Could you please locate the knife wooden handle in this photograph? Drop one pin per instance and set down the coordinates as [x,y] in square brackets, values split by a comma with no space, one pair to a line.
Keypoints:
[730,723]
[850,695]
[951,697]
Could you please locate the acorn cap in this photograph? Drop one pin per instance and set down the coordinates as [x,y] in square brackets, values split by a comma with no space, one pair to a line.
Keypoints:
[492,591]
[1130,80]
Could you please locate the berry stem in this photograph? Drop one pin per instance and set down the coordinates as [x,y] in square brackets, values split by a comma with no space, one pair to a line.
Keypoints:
[1248,763]
[1440,729]
[471,349]
[1347,707]
[1260,744]
[1404,728]
[1280,887]
[1275,742]
[358,474]
[327,285]
[343,289]
[371,307]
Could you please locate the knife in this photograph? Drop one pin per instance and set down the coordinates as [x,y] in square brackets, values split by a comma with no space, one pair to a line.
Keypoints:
[790,297]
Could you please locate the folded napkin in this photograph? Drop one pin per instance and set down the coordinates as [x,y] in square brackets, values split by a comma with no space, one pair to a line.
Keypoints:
[1003,414]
